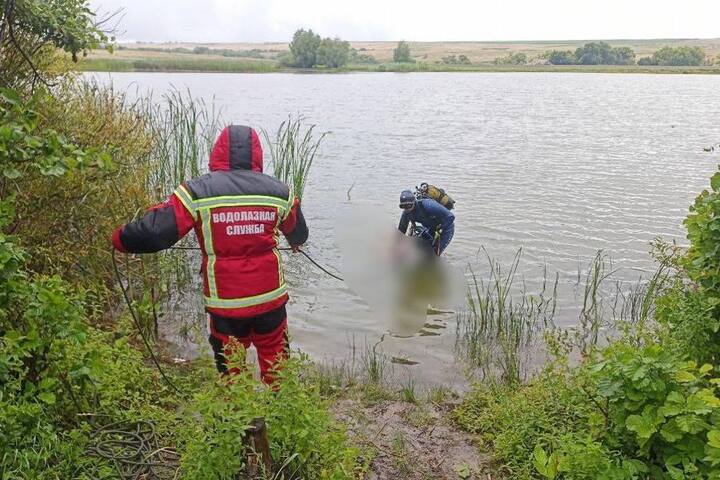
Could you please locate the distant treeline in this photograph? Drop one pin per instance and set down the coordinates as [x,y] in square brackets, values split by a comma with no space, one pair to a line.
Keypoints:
[308,50]
[601,53]
[224,52]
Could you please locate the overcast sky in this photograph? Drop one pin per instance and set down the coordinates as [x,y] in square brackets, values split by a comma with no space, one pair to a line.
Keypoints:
[415,20]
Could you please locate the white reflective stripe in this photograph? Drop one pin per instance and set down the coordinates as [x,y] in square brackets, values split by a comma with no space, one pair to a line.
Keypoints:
[215,302]
[186,200]
[208,240]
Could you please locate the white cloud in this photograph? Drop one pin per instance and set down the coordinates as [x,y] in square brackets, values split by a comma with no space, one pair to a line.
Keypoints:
[276,20]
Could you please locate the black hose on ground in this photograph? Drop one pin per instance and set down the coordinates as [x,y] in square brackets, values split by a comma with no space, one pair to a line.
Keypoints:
[133,449]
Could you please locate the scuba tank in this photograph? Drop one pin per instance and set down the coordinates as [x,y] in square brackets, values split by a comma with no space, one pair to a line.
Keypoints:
[425,190]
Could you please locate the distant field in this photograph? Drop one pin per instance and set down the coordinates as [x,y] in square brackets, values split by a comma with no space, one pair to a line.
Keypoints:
[139,57]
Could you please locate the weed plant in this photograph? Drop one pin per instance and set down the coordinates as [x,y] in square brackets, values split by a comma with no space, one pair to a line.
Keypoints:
[501,322]
[303,437]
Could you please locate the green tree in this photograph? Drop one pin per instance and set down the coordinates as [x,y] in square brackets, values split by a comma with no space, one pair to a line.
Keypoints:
[679,56]
[304,48]
[624,56]
[31,30]
[402,52]
[333,53]
[561,57]
[595,53]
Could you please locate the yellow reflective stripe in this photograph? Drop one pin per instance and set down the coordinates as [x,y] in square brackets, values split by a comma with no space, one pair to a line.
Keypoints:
[241,200]
[208,240]
[186,199]
[291,201]
[215,302]
[281,274]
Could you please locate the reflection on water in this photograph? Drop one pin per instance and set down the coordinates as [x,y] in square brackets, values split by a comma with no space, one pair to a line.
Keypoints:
[395,275]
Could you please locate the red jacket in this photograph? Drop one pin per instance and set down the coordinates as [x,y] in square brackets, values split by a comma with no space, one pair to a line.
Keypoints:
[237,212]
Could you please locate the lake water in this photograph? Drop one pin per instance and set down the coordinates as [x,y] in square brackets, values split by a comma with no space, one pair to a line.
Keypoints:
[560,165]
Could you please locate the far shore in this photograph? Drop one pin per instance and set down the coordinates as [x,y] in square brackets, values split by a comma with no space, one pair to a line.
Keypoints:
[426,57]
[231,66]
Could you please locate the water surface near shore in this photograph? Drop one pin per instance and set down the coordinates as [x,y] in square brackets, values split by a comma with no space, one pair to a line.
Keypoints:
[560,165]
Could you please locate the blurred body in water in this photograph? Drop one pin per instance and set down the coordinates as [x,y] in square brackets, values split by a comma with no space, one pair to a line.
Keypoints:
[396,275]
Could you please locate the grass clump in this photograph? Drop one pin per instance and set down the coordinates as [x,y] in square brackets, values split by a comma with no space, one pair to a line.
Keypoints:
[408,392]
[305,441]
[513,419]
[502,321]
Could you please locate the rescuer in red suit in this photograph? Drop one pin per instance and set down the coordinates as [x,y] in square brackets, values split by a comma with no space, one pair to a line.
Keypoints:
[237,213]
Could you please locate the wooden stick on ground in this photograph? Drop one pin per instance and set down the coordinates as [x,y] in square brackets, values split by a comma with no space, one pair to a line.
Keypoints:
[257,447]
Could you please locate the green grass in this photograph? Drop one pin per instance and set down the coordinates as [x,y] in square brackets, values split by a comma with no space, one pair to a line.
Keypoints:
[502,320]
[229,65]
[177,64]
[433,67]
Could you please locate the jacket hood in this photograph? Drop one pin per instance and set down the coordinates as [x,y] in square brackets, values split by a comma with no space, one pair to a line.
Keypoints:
[237,148]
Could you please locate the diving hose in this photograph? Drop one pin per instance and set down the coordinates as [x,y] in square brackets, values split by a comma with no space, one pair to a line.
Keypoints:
[284,249]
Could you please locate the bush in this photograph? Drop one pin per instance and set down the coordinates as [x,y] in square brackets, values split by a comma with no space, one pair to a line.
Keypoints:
[333,53]
[626,413]
[702,262]
[512,59]
[660,409]
[516,420]
[401,53]
[647,61]
[303,437]
[53,367]
[593,53]
[692,329]
[558,57]
[679,56]
[64,233]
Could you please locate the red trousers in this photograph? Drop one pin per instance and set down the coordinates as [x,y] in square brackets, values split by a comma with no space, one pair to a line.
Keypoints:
[268,332]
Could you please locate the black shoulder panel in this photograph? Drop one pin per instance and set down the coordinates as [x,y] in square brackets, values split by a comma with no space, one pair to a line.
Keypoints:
[236,182]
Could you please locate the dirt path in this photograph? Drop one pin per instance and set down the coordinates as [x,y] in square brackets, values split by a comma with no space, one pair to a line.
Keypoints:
[412,441]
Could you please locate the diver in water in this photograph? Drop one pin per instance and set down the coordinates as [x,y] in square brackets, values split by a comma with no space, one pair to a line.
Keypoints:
[431,221]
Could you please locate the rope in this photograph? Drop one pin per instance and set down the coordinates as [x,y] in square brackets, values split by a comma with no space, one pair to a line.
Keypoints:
[319,266]
[136,320]
[284,249]
[132,447]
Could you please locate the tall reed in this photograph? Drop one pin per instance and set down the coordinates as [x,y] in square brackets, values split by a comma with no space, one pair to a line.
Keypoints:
[502,320]
[592,317]
[183,129]
[293,151]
